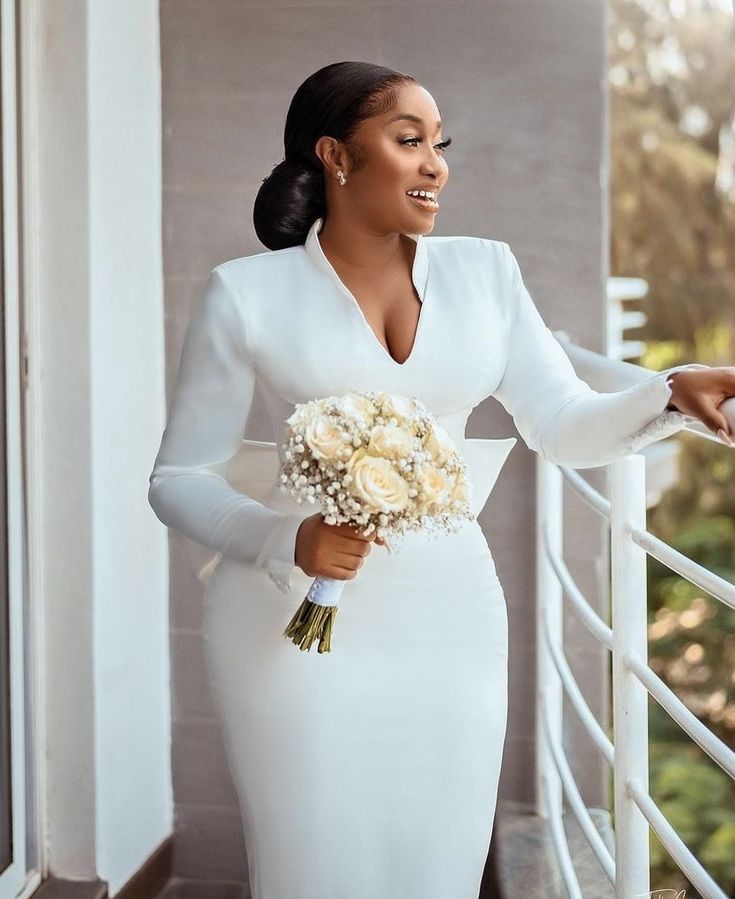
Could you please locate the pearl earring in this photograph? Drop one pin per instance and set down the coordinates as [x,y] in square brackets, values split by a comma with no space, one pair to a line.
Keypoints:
[342,179]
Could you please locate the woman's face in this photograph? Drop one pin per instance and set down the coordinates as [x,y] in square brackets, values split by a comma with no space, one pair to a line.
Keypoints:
[398,151]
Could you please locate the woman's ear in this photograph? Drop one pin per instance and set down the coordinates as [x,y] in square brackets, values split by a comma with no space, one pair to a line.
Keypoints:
[333,155]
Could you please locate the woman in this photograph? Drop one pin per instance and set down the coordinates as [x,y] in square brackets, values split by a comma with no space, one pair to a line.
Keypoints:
[371,772]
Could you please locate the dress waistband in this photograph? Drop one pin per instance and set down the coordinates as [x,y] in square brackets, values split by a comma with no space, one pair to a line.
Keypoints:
[255,472]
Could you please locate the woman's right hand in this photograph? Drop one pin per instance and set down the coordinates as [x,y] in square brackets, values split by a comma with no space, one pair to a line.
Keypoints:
[331,550]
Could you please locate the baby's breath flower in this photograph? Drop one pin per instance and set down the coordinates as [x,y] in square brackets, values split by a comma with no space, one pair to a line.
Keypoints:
[343,427]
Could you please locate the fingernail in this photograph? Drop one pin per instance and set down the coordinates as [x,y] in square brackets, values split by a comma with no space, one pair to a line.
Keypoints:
[724,437]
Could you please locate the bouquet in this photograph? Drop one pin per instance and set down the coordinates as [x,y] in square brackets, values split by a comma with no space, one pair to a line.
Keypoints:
[380,462]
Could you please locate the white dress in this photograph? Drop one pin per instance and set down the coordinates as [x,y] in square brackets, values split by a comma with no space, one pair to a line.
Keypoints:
[371,771]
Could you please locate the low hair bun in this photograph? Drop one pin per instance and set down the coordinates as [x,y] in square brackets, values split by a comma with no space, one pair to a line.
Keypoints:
[333,101]
[288,203]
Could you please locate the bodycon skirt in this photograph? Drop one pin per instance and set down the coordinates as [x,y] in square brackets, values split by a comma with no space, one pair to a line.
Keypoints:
[371,771]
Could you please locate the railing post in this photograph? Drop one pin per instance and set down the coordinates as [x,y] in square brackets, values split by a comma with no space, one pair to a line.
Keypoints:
[630,697]
[549,516]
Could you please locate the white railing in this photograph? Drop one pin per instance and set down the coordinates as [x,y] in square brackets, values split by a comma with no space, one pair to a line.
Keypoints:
[632,681]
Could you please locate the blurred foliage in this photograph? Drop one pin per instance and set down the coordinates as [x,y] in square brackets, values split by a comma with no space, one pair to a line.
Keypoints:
[671,97]
[695,795]
[672,107]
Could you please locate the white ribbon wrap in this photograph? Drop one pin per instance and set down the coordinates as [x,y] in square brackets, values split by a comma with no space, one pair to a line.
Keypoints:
[325,591]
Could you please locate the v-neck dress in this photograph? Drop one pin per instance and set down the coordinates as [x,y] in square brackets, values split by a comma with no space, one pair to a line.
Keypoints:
[371,771]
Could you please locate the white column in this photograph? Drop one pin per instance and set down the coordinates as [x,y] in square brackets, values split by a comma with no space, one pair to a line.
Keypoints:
[630,697]
[93,294]
[549,606]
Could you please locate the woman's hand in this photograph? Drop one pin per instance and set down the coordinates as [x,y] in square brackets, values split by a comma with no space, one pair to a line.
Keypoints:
[700,392]
[331,550]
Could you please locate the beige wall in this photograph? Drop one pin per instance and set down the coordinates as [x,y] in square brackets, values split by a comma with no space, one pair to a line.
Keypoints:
[520,84]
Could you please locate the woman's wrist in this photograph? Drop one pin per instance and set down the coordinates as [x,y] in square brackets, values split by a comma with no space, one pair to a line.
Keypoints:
[671,406]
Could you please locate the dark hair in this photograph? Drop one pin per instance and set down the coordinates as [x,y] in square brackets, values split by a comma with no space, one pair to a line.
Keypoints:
[333,101]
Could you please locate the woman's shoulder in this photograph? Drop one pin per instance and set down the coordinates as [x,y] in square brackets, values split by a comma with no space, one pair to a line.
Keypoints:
[469,248]
[264,265]
[463,239]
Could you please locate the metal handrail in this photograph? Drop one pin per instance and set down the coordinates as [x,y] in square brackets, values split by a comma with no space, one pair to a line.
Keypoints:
[682,855]
[633,679]
[586,492]
[694,572]
[715,748]
[591,620]
[576,803]
[571,687]
[561,846]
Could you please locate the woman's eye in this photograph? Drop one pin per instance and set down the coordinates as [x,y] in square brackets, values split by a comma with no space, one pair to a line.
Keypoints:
[413,141]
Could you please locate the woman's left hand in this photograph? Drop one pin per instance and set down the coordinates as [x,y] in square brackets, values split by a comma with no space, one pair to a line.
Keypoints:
[700,392]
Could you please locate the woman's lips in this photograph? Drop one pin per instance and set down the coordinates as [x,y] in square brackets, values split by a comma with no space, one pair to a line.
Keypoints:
[423,203]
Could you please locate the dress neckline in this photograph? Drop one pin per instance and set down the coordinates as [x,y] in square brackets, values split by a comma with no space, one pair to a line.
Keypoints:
[419,276]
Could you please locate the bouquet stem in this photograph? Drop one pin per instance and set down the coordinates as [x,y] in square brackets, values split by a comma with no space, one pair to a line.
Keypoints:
[310,622]
[315,617]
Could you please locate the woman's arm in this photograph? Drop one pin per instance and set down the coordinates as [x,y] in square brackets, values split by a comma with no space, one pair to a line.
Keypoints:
[557,413]
[211,399]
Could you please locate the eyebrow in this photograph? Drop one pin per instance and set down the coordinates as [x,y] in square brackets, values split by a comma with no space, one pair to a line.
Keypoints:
[410,117]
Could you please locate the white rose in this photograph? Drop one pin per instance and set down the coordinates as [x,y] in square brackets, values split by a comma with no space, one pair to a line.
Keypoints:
[395,404]
[298,416]
[460,491]
[376,482]
[324,439]
[434,484]
[305,412]
[354,405]
[390,441]
[439,443]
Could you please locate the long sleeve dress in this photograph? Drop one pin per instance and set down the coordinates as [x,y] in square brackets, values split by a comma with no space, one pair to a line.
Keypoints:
[369,772]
